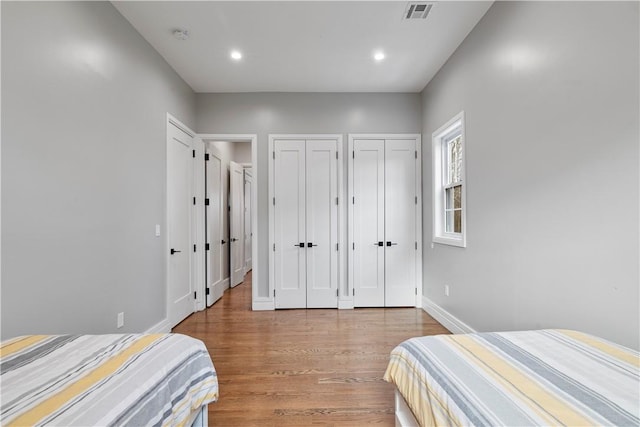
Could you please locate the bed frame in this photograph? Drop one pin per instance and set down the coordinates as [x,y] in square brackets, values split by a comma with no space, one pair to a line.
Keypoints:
[404,416]
[201,418]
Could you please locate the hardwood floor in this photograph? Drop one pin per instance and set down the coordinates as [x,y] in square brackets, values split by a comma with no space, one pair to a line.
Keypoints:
[302,367]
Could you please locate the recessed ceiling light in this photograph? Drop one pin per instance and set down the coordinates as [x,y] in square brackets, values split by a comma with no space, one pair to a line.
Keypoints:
[236,55]
[181,34]
[378,56]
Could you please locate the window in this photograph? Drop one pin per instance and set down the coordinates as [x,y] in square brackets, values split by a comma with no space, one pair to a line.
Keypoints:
[449,187]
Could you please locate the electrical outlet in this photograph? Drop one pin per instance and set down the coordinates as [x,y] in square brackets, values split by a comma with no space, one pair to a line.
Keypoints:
[446,290]
[120,321]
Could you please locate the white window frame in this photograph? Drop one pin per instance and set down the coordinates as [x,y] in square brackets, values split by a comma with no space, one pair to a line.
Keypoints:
[439,139]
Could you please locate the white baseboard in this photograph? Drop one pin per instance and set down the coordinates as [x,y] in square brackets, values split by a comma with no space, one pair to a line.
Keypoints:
[263,305]
[448,320]
[161,327]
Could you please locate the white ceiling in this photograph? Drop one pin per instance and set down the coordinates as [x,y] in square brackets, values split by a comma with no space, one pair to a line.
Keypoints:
[303,46]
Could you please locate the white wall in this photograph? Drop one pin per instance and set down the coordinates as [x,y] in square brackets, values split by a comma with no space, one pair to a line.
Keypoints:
[84,103]
[265,113]
[550,92]
[242,152]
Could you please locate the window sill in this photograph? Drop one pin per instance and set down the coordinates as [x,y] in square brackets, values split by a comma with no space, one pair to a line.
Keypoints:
[460,242]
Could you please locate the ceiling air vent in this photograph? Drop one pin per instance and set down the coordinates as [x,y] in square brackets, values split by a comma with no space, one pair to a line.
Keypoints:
[418,10]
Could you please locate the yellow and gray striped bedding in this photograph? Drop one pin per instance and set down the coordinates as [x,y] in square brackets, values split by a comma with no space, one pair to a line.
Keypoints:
[525,378]
[99,380]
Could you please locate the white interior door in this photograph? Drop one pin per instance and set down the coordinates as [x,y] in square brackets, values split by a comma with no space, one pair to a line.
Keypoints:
[214,213]
[248,233]
[179,206]
[368,222]
[289,240]
[236,223]
[400,223]
[322,223]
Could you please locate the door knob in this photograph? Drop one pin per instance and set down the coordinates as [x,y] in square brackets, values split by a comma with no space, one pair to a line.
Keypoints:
[391,244]
[233,239]
[173,251]
[309,245]
[223,242]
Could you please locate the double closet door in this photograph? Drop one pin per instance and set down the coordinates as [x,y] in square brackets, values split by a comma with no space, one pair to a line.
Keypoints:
[385,218]
[305,231]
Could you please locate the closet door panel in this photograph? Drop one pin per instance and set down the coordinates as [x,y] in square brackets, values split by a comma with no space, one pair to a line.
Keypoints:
[400,223]
[368,223]
[322,224]
[290,225]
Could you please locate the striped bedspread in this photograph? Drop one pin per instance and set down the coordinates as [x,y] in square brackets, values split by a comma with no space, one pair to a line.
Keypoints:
[527,378]
[99,380]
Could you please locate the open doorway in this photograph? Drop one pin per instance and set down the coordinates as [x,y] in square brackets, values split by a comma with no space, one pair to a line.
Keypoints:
[229,219]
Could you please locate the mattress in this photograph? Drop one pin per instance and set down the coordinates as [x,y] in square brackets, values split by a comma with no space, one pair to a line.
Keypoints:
[523,378]
[91,380]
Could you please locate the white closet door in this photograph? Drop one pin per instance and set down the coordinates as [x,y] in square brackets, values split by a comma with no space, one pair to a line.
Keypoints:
[289,224]
[248,234]
[322,224]
[179,193]
[400,223]
[368,223]
[214,225]
[236,222]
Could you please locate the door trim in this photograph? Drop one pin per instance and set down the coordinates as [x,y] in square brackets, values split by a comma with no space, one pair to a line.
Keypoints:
[348,300]
[258,302]
[342,257]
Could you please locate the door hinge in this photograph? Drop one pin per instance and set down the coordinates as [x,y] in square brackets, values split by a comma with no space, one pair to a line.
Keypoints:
[193,152]
[337,247]
[336,200]
[206,248]
[416,200]
[416,154]
[206,158]
[337,292]
[416,246]
[353,292]
[353,154]
[194,200]
[353,200]
[195,295]
[274,247]
[354,246]
[194,248]
[273,153]
[274,293]
[206,201]
[336,155]
[416,291]
[274,201]
[208,291]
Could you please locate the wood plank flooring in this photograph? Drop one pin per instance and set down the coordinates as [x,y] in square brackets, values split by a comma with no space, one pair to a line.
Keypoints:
[302,367]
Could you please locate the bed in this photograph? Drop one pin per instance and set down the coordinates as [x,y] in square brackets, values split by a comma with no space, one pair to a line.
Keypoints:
[523,378]
[99,380]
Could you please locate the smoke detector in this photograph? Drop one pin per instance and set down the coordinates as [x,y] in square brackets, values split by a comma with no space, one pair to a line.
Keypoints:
[417,10]
[181,34]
